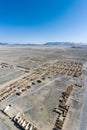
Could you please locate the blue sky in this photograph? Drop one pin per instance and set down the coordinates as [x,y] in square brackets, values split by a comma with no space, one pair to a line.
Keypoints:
[40,21]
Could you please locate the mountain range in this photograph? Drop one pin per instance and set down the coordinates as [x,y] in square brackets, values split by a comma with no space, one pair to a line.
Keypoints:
[45,44]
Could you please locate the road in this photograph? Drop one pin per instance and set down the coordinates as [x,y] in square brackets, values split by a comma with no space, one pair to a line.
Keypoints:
[83,120]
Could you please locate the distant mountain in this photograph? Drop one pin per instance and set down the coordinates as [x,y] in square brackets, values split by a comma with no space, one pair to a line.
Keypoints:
[20,44]
[45,44]
[3,44]
[59,43]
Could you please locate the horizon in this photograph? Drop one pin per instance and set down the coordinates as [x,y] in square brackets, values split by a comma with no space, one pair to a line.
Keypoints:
[58,43]
[27,21]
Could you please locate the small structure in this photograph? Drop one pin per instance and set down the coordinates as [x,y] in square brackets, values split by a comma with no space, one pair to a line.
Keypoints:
[17,116]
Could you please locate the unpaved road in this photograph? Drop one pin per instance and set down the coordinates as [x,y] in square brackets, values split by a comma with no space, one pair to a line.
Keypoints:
[83,121]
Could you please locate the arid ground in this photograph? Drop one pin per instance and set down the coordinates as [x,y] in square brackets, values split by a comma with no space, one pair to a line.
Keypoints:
[35,80]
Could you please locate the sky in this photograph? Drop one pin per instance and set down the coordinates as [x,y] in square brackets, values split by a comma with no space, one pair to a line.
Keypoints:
[41,21]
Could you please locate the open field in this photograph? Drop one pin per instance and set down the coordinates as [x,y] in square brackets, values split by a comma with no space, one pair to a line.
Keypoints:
[43,88]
